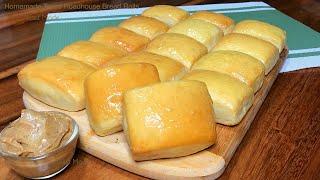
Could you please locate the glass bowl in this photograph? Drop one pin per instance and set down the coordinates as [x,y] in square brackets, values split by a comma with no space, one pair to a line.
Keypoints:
[46,165]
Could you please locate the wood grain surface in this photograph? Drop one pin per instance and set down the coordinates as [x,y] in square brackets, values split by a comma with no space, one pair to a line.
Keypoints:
[283,141]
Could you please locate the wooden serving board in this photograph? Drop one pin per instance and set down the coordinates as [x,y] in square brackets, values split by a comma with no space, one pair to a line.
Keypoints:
[207,164]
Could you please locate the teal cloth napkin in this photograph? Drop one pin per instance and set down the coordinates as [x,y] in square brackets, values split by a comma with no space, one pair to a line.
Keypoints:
[62,29]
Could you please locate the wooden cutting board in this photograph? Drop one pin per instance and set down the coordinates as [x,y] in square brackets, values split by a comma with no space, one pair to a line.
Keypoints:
[209,163]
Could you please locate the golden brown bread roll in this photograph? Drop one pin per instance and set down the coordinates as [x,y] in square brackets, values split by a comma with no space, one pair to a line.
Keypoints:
[225,23]
[202,31]
[236,64]
[104,89]
[91,53]
[145,26]
[178,47]
[263,31]
[123,38]
[170,15]
[168,119]
[168,69]
[56,81]
[231,98]
[262,50]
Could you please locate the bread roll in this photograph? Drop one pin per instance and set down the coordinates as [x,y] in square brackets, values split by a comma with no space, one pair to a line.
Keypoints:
[145,26]
[262,50]
[225,23]
[169,119]
[56,81]
[236,64]
[123,38]
[104,89]
[204,32]
[231,97]
[91,53]
[178,47]
[263,31]
[170,15]
[168,69]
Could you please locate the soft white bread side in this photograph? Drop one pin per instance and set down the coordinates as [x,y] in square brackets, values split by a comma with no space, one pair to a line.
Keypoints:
[169,119]
[104,93]
[56,81]
[170,15]
[202,31]
[236,64]
[168,68]
[178,47]
[231,98]
[225,23]
[120,37]
[264,31]
[91,53]
[145,26]
[262,50]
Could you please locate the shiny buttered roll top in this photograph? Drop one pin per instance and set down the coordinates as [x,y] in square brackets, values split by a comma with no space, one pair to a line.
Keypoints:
[263,31]
[56,81]
[145,26]
[168,68]
[91,53]
[241,66]
[179,47]
[170,15]
[202,31]
[262,50]
[120,37]
[225,23]
[104,93]
[231,98]
[168,119]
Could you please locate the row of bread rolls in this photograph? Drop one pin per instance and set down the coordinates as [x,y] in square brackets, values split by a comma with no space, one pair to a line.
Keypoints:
[127,63]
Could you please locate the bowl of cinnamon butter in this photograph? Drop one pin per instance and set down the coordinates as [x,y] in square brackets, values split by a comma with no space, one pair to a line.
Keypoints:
[39,145]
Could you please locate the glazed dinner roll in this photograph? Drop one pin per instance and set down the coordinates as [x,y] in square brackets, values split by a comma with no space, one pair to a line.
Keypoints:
[231,98]
[91,53]
[123,38]
[56,81]
[236,64]
[178,47]
[225,23]
[202,31]
[169,119]
[168,69]
[104,93]
[264,31]
[262,50]
[170,15]
[145,26]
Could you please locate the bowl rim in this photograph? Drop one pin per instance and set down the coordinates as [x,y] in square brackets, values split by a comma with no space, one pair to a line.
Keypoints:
[74,135]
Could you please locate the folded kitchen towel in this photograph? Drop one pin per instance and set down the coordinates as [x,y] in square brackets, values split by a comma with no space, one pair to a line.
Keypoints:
[64,28]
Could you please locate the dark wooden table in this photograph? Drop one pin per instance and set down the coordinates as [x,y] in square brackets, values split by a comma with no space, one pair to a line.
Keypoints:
[283,142]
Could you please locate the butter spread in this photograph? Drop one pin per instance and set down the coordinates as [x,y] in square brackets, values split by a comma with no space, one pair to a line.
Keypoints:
[35,133]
